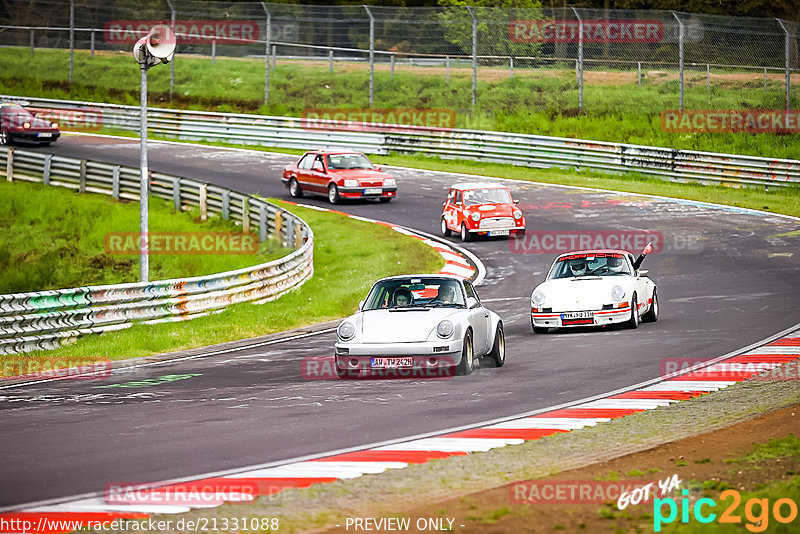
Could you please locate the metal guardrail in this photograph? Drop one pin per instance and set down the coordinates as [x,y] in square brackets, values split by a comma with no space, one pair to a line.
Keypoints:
[521,149]
[45,319]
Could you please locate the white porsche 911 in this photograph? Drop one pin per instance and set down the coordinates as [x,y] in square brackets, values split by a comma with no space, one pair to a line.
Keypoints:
[594,288]
[422,322]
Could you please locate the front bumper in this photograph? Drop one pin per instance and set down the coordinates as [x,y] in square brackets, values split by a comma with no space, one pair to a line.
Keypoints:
[512,230]
[599,318]
[360,192]
[28,136]
[359,355]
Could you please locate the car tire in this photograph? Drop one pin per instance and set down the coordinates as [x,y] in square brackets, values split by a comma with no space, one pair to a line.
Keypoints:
[445,230]
[633,322]
[498,353]
[465,235]
[333,194]
[384,200]
[294,189]
[467,362]
[652,314]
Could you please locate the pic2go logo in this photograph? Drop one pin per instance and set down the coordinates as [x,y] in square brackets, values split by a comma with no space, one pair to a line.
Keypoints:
[758,522]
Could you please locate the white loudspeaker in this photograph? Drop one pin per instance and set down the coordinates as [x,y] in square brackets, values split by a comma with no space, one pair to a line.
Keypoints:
[158,46]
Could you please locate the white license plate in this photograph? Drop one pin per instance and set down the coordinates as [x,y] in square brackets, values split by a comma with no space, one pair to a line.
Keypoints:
[578,315]
[392,362]
[498,232]
[373,191]
[45,135]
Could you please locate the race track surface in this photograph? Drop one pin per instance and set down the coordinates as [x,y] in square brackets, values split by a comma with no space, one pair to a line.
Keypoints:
[726,278]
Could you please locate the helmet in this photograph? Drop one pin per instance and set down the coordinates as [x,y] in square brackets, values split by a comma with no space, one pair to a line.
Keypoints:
[446,293]
[402,294]
[614,264]
[577,267]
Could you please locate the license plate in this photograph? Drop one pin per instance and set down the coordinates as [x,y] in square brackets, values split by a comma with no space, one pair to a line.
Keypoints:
[392,362]
[373,191]
[577,315]
[498,232]
[45,135]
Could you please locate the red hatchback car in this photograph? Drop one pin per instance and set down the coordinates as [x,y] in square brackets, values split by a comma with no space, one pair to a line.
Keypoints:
[339,175]
[19,124]
[481,209]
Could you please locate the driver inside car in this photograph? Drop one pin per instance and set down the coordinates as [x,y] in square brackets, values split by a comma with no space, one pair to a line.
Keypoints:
[402,297]
[577,267]
[446,295]
[614,265]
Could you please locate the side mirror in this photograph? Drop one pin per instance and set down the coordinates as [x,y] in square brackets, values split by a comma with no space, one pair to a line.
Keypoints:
[516,202]
[361,304]
[377,167]
[472,302]
[643,272]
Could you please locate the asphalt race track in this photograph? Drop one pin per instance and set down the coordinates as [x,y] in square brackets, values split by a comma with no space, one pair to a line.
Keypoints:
[725,279]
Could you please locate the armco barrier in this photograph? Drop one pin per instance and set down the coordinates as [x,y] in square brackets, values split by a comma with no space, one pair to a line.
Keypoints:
[46,319]
[521,149]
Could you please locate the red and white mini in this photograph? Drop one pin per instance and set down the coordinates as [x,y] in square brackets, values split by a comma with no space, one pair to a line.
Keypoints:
[594,288]
[481,209]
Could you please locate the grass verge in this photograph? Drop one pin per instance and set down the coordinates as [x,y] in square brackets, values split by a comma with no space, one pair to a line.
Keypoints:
[50,239]
[339,282]
[535,100]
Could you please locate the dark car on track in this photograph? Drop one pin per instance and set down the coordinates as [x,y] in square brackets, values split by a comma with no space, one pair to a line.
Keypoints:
[338,175]
[19,125]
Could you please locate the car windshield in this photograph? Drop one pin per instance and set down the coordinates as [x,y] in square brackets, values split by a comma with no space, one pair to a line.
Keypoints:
[411,293]
[348,161]
[598,264]
[487,196]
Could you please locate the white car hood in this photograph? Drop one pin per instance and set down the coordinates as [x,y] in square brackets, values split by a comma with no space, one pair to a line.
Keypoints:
[577,294]
[407,326]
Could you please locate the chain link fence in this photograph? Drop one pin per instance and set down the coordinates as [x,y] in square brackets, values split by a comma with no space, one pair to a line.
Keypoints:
[495,61]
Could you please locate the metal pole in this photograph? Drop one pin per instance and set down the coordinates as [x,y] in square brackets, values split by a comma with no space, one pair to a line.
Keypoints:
[640,73]
[31,42]
[266,53]
[765,78]
[92,42]
[144,267]
[274,55]
[510,66]
[680,57]
[391,58]
[71,37]
[788,72]
[474,55]
[371,55]
[171,63]
[330,61]
[708,77]
[447,69]
[213,51]
[580,59]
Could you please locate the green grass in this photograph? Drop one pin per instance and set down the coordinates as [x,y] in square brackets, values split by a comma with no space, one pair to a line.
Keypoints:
[340,281]
[774,448]
[50,239]
[537,102]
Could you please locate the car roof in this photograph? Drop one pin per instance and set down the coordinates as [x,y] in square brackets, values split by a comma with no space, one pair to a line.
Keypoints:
[432,275]
[332,152]
[477,185]
[595,251]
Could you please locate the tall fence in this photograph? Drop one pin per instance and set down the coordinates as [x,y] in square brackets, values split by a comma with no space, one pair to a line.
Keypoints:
[46,319]
[556,59]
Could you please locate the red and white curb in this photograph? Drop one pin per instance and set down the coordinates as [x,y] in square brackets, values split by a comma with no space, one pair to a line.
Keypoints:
[210,492]
[456,262]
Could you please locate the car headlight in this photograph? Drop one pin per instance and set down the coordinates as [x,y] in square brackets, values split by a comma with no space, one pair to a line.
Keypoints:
[26,125]
[389,182]
[617,293]
[54,125]
[445,329]
[476,216]
[351,183]
[538,298]
[346,331]
[517,214]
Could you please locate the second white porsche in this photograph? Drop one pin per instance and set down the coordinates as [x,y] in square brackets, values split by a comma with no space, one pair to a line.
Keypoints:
[594,288]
